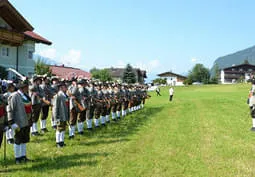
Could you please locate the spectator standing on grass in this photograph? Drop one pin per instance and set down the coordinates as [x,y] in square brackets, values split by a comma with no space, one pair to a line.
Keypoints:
[158,91]
[171,93]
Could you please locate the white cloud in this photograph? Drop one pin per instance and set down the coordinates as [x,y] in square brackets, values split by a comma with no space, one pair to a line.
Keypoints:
[50,53]
[194,60]
[73,57]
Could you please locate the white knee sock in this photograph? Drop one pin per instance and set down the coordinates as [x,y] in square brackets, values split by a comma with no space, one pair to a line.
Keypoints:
[107,118]
[58,134]
[118,113]
[102,119]
[87,122]
[70,130]
[7,134]
[90,123]
[23,150]
[34,127]
[113,115]
[80,126]
[253,122]
[43,124]
[17,151]
[96,121]
[62,136]
[53,123]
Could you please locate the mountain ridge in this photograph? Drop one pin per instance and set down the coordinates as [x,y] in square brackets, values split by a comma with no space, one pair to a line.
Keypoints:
[235,58]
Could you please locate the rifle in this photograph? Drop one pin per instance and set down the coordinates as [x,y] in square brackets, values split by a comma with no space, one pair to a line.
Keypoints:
[80,107]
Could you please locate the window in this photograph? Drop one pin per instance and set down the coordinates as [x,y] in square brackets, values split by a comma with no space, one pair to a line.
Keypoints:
[30,54]
[30,74]
[5,51]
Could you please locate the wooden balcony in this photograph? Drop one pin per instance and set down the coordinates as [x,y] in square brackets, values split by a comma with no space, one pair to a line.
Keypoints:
[10,37]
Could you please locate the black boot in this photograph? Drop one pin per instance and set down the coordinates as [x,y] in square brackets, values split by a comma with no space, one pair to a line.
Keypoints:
[18,160]
[58,145]
[25,159]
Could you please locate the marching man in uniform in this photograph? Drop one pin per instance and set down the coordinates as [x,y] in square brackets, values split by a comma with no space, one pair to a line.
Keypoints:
[9,132]
[60,111]
[36,94]
[46,88]
[91,105]
[19,111]
[83,94]
[73,93]
[54,91]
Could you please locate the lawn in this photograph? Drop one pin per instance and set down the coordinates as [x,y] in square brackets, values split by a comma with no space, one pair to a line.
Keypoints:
[205,131]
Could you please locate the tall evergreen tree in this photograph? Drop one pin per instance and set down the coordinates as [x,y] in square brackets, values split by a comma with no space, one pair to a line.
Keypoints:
[129,75]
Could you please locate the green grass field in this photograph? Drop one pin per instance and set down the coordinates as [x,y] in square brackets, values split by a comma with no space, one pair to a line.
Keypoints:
[204,132]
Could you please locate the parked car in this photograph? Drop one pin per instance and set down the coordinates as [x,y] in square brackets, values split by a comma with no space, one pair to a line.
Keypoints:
[197,83]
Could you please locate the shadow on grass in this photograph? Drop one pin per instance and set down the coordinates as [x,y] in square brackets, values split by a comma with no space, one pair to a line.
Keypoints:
[55,163]
[93,143]
[128,125]
[115,132]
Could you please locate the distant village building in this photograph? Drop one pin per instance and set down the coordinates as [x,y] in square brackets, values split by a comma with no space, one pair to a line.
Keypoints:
[69,72]
[117,74]
[173,79]
[237,73]
[17,41]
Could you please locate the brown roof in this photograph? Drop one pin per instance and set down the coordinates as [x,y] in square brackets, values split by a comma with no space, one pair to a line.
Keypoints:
[18,23]
[36,37]
[169,74]
[118,72]
[13,17]
[69,72]
[241,65]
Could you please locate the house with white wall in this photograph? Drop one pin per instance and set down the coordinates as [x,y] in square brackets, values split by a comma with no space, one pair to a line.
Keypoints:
[173,79]
[17,40]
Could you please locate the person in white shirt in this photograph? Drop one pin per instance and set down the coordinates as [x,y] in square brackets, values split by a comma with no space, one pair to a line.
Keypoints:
[171,93]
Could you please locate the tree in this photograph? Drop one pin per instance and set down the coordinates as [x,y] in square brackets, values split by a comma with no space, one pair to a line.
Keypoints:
[189,79]
[3,73]
[95,73]
[160,81]
[129,75]
[105,75]
[215,79]
[199,74]
[41,67]
[101,74]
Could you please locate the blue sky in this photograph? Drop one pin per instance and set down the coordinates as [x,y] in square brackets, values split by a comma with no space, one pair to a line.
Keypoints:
[157,36]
